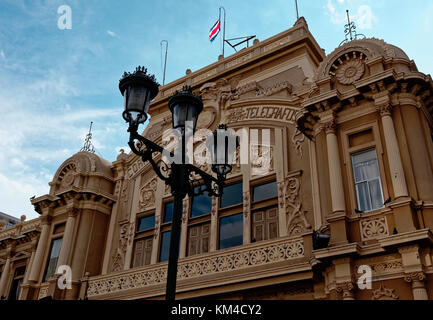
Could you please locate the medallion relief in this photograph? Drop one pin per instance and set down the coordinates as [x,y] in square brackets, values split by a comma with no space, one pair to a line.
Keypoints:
[147,194]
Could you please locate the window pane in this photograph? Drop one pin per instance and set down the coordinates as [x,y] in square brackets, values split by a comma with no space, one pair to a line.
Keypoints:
[265,191]
[54,256]
[165,246]
[376,194]
[146,223]
[232,195]
[363,197]
[201,204]
[168,211]
[231,228]
[365,165]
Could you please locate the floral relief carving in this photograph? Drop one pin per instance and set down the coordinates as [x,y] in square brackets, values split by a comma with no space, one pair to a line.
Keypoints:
[296,221]
[229,261]
[185,210]
[415,276]
[214,209]
[297,139]
[157,226]
[236,166]
[43,292]
[384,293]
[346,289]
[373,228]
[126,237]
[147,194]
[246,204]
[350,71]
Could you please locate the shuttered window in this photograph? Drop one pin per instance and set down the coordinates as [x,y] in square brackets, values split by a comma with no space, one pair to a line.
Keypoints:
[198,239]
[265,224]
[143,251]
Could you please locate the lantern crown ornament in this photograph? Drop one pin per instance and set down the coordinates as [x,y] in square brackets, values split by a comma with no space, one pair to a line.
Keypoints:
[184,106]
[138,89]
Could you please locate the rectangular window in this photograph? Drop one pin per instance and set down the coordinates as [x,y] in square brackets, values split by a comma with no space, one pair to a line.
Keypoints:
[16,283]
[232,195]
[56,244]
[168,212]
[198,239]
[231,231]
[142,252]
[367,180]
[201,204]
[146,223]
[265,191]
[265,224]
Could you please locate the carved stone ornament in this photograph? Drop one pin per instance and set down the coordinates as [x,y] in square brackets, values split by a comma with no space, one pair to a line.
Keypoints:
[126,237]
[262,159]
[157,226]
[185,210]
[241,259]
[297,139]
[296,221]
[330,126]
[147,194]
[415,276]
[214,206]
[346,289]
[384,293]
[385,110]
[246,204]
[374,228]
[350,71]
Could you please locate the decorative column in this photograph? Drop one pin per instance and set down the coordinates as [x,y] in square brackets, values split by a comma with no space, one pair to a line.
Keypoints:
[30,264]
[335,177]
[338,218]
[25,287]
[67,237]
[5,274]
[40,251]
[394,159]
[417,279]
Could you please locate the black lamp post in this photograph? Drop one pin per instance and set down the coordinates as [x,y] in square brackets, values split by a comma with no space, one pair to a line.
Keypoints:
[138,89]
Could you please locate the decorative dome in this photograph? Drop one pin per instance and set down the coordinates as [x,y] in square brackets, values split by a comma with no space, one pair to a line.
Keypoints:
[350,58]
[82,163]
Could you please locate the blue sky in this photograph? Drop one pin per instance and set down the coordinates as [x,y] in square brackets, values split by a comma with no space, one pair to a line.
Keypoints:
[54,82]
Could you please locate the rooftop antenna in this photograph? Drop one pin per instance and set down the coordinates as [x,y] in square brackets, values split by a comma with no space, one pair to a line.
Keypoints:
[297,12]
[165,61]
[350,31]
[88,146]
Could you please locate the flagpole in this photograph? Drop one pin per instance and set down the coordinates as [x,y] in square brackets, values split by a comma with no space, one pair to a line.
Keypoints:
[297,13]
[224,26]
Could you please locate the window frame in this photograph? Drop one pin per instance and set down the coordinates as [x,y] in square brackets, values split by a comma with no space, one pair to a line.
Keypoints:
[347,157]
[367,181]
[48,254]
[143,234]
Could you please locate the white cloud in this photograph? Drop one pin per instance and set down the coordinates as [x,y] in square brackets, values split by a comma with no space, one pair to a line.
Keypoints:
[2,54]
[363,18]
[111,33]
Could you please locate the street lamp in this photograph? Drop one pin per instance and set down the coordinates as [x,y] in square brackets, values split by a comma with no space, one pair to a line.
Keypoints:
[138,89]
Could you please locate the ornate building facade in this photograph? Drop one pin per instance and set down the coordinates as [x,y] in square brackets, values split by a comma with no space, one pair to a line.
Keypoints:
[350,155]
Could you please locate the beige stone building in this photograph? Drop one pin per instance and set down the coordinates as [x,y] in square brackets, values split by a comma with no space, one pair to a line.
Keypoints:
[351,156]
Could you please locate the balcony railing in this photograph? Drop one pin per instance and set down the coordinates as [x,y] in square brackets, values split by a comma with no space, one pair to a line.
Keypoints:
[219,263]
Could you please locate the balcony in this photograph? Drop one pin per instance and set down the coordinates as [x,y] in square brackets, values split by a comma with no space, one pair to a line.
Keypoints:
[249,262]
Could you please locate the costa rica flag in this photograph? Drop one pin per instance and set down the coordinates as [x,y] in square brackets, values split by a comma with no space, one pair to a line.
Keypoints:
[213,32]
